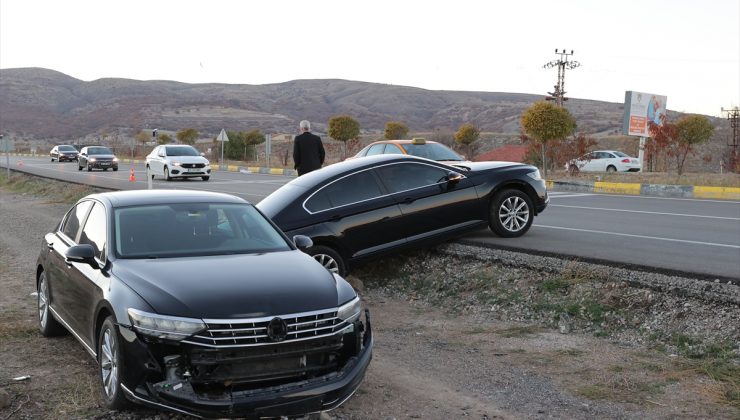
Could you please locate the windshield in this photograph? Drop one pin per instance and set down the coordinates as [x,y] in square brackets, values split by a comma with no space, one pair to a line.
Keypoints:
[99,151]
[182,151]
[433,151]
[67,149]
[193,229]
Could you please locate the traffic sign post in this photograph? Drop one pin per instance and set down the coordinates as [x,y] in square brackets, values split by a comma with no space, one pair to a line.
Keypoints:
[222,137]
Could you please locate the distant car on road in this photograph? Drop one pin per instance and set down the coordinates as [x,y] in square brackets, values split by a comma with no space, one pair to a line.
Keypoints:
[178,161]
[96,157]
[195,302]
[362,208]
[63,152]
[415,147]
[606,161]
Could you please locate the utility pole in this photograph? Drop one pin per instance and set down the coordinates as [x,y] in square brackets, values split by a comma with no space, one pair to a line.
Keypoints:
[732,116]
[558,95]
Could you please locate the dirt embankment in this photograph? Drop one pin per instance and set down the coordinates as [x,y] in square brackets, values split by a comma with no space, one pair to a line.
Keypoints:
[497,336]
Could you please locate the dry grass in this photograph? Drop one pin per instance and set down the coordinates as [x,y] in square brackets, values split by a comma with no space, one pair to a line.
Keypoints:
[664,178]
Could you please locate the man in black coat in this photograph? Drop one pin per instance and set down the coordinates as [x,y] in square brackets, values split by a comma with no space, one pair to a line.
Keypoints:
[308,151]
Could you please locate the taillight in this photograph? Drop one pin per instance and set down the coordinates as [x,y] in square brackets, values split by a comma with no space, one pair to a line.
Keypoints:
[625,161]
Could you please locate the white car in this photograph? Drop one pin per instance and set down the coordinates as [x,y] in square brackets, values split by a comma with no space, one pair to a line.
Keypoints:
[606,161]
[178,161]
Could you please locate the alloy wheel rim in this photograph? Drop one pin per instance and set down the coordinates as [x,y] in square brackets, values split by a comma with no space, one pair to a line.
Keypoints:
[43,303]
[513,214]
[108,367]
[328,262]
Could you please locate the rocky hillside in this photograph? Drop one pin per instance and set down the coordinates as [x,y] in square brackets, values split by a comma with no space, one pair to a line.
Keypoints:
[42,103]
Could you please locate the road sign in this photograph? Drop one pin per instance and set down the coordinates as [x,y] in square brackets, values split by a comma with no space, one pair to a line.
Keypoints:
[222,136]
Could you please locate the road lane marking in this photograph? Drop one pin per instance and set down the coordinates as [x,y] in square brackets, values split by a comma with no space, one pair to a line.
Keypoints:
[646,212]
[565,195]
[640,236]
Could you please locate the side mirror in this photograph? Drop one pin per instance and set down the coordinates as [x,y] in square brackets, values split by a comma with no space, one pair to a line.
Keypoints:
[302,242]
[82,254]
[453,178]
[160,154]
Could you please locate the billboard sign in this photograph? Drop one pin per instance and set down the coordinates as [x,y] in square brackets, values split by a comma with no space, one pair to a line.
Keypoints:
[641,108]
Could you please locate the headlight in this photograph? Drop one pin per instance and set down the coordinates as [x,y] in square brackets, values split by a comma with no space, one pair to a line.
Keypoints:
[535,175]
[164,327]
[176,163]
[92,159]
[207,163]
[115,159]
[350,311]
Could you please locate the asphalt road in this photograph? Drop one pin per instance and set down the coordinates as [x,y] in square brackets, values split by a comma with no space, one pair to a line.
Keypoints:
[700,237]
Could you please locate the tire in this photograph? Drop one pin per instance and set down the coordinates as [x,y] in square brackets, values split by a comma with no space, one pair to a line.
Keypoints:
[52,159]
[105,169]
[110,365]
[167,176]
[48,325]
[89,167]
[611,169]
[115,169]
[79,168]
[329,258]
[510,214]
[206,178]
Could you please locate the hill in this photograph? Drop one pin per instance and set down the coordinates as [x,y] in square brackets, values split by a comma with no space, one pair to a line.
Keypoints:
[41,103]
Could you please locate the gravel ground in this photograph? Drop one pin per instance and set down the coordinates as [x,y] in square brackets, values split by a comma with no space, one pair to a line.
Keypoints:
[460,332]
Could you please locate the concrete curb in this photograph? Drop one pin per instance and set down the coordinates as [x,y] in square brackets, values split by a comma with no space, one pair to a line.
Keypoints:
[654,190]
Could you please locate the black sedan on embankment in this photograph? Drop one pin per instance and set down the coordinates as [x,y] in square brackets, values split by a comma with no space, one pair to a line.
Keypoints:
[371,206]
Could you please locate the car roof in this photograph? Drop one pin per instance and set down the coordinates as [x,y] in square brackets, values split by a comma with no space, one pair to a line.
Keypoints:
[148,197]
[314,177]
[401,142]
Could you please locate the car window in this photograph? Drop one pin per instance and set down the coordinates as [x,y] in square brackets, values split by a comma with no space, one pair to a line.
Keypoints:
[181,151]
[393,149]
[73,220]
[433,151]
[375,149]
[193,229]
[99,151]
[94,232]
[354,188]
[620,154]
[408,176]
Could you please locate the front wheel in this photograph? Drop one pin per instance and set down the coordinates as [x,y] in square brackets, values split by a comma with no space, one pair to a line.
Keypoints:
[110,361]
[79,167]
[511,214]
[89,167]
[167,176]
[611,169]
[329,258]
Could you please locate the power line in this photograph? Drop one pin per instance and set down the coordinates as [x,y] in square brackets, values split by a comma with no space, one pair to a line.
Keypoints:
[558,95]
[732,116]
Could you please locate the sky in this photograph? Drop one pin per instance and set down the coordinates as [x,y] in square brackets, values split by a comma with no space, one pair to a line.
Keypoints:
[687,50]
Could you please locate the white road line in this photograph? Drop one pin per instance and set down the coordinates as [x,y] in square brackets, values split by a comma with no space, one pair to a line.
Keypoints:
[565,195]
[640,236]
[646,212]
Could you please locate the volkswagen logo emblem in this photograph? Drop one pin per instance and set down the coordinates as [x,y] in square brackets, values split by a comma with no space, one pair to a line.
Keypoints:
[277,329]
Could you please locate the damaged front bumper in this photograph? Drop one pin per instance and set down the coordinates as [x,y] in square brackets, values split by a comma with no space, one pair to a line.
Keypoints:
[297,398]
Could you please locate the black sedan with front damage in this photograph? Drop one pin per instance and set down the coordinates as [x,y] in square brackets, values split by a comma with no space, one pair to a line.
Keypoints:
[195,302]
[375,205]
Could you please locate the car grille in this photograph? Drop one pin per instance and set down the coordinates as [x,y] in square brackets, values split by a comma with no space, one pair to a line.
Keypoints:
[253,332]
[193,165]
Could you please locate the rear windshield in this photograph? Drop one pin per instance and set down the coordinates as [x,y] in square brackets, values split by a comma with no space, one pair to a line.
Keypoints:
[193,229]
[433,151]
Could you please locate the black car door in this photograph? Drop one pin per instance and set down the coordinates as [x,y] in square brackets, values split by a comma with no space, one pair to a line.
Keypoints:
[362,216]
[431,206]
[59,273]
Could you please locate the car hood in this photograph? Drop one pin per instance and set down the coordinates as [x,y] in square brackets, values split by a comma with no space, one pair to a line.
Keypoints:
[187,159]
[234,286]
[493,164]
[101,156]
